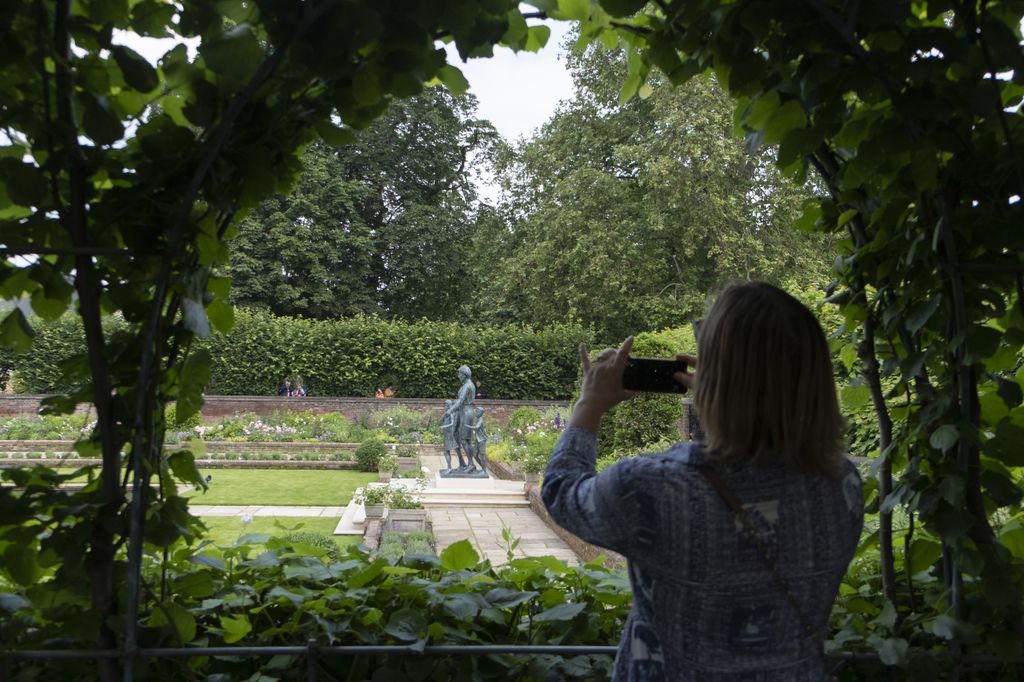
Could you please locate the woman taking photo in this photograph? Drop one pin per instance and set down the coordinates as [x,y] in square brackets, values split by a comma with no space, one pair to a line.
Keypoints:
[736,546]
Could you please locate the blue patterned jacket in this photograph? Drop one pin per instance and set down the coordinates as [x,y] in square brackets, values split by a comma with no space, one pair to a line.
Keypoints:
[705,608]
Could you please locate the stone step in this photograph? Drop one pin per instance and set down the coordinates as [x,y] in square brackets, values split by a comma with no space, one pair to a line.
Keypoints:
[450,502]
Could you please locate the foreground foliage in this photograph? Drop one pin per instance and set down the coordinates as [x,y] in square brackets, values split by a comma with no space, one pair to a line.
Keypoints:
[264,590]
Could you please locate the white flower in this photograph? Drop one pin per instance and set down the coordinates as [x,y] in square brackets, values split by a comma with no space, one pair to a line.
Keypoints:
[246,519]
[425,470]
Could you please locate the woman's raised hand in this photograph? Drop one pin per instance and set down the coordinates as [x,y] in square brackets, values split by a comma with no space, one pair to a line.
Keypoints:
[688,378]
[602,379]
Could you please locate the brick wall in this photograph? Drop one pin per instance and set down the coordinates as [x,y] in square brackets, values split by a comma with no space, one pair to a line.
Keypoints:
[352,408]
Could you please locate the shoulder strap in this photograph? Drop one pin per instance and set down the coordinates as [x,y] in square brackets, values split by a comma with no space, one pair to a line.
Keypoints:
[740,514]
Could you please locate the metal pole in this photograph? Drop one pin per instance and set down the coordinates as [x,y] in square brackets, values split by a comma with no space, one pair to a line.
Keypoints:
[311,660]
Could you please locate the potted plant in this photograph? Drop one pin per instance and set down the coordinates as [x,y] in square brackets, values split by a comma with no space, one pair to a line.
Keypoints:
[374,499]
[386,466]
[531,465]
[404,509]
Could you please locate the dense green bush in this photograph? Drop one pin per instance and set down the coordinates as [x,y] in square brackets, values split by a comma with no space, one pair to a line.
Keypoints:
[397,545]
[519,421]
[319,540]
[649,417]
[369,453]
[349,357]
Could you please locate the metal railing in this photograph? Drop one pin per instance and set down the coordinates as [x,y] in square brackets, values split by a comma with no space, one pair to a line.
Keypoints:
[313,652]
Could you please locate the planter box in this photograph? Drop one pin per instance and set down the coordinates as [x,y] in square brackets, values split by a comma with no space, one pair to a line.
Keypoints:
[374,511]
[406,520]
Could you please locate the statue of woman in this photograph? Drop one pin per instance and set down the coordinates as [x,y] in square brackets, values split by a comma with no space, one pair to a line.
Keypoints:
[464,416]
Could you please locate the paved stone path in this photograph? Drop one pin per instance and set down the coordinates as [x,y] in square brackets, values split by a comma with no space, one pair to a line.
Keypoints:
[483,525]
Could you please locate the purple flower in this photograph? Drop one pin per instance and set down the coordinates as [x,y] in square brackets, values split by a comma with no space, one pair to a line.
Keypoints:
[558,420]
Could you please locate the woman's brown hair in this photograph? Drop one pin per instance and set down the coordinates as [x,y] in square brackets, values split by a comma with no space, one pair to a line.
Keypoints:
[765,390]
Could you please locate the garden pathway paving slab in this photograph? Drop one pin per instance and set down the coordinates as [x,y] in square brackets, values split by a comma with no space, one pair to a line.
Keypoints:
[263,510]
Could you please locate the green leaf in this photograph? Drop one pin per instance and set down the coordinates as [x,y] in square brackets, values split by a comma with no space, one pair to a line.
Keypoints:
[100,122]
[855,397]
[891,651]
[195,374]
[221,315]
[366,86]
[235,56]
[49,309]
[138,73]
[578,10]
[622,8]
[182,622]
[16,333]
[25,183]
[406,625]
[924,552]
[788,117]
[536,38]
[506,599]
[807,222]
[21,565]
[183,465]
[209,561]
[367,574]
[336,136]
[562,612]
[459,556]
[848,355]
[235,627]
[453,79]
[944,437]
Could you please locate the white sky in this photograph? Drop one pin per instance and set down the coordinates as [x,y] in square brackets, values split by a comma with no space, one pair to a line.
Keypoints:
[519,91]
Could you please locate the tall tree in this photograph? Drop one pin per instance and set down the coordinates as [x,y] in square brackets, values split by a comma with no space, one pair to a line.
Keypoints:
[381,225]
[623,216]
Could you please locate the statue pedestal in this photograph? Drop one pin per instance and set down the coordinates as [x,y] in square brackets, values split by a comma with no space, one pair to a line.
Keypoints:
[478,481]
[456,474]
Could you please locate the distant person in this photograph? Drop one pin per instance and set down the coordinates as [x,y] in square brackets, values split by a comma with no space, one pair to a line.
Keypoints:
[481,392]
[389,392]
[379,395]
[737,545]
[299,391]
[285,389]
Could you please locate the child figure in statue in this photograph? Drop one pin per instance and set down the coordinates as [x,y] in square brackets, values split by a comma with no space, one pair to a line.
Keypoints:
[448,433]
[480,433]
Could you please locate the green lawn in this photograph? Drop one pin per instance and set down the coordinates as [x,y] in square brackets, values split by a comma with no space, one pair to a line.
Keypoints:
[292,487]
[225,530]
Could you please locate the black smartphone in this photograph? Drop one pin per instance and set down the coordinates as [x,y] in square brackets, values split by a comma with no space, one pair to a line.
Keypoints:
[653,375]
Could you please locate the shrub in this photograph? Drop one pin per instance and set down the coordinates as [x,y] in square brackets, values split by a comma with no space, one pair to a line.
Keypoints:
[400,420]
[316,540]
[400,498]
[397,545]
[387,462]
[369,452]
[649,417]
[520,420]
[372,494]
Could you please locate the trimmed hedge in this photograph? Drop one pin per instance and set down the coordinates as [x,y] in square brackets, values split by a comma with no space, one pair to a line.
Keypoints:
[348,357]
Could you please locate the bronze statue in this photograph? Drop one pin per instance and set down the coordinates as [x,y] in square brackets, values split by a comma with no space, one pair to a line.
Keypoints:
[463,423]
